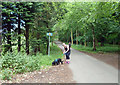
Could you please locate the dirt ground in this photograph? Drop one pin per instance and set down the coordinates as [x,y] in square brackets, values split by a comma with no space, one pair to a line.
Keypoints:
[109,58]
[54,74]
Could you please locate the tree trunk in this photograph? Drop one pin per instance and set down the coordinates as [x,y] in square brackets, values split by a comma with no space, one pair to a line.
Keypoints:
[0,42]
[114,42]
[47,41]
[76,38]
[27,39]
[35,50]
[47,47]
[102,43]
[19,32]
[0,38]
[9,38]
[0,34]
[96,42]
[94,45]
[38,47]
[71,36]
[119,43]
[85,43]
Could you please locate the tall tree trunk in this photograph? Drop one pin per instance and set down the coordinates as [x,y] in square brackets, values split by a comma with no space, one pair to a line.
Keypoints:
[102,43]
[0,31]
[0,41]
[27,39]
[76,38]
[9,38]
[114,42]
[35,50]
[0,38]
[85,43]
[96,42]
[71,36]
[19,32]
[47,47]
[94,45]
[38,47]
[47,41]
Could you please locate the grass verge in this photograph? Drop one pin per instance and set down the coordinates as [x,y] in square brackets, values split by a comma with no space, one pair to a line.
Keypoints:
[105,49]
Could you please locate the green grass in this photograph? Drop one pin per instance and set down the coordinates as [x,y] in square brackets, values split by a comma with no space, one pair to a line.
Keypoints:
[55,52]
[105,49]
[12,63]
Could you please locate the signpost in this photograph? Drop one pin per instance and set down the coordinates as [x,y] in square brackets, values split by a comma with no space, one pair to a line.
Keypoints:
[49,34]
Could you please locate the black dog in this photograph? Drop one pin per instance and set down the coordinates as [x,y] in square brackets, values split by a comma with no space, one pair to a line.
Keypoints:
[57,62]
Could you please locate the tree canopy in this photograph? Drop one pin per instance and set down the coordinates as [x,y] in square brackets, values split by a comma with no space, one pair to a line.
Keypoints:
[25,24]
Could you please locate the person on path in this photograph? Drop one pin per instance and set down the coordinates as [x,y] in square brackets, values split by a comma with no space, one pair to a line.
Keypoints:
[69,45]
[67,52]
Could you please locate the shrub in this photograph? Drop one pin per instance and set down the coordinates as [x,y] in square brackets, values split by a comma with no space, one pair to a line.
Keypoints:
[12,63]
[7,73]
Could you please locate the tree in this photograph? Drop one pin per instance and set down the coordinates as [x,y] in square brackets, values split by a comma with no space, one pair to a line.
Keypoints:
[91,18]
[8,20]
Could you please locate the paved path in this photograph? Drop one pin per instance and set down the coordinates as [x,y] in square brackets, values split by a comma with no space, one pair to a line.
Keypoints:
[87,69]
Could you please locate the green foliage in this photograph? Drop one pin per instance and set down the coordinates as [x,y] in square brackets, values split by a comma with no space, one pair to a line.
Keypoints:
[15,62]
[12,63]
[103,17]
[7,73]
[106,49]
[37,19]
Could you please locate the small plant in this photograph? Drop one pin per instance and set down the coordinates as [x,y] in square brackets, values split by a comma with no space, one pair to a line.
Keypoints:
[7,73]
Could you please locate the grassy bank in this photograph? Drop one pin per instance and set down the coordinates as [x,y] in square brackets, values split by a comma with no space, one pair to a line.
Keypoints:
[104,49]
[12,63]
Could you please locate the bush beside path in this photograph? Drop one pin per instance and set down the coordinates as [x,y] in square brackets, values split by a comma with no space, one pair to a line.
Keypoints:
[47,73]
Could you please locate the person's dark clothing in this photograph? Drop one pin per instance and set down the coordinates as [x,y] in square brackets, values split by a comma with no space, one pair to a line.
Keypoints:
[68,53]
[69,47]
[65,48]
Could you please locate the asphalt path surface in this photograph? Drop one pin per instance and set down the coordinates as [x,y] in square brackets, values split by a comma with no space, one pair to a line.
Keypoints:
[86,69]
